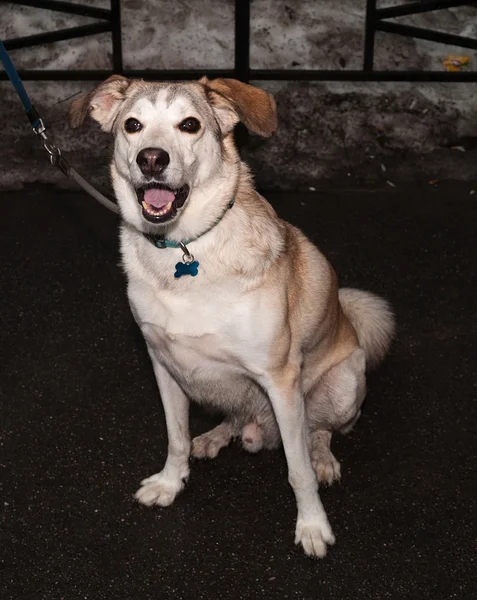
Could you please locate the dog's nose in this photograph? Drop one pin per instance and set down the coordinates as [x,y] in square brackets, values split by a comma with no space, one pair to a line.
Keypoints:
[152,161]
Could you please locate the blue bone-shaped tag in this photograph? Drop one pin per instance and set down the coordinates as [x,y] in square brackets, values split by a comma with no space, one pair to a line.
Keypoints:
[187,269]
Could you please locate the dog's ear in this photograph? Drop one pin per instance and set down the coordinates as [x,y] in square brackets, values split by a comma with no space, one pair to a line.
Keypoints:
[102,103]
[234,101]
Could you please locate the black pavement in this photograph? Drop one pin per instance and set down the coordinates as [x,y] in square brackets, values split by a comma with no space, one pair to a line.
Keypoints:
[82,424]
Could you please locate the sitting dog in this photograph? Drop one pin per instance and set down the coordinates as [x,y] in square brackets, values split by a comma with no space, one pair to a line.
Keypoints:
[239,310]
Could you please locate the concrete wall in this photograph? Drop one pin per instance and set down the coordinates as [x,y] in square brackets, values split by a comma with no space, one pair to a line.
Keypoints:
[328,131]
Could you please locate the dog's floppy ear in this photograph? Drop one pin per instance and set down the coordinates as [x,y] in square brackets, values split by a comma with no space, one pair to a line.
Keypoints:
[234,101]
[102,103]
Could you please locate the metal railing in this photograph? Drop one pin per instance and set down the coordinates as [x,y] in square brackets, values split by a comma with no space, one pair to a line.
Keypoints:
[377,19]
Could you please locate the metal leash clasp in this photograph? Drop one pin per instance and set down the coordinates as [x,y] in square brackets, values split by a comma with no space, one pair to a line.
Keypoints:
[56,158]
[39,128]
[52,150]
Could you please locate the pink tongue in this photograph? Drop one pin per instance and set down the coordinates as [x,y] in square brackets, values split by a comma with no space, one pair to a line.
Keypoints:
[158,198]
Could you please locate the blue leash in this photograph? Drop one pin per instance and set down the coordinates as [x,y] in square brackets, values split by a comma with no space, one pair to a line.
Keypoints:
[56,157]
[12,73]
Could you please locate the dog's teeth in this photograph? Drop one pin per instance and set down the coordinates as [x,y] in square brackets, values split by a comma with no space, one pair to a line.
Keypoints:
[157,212]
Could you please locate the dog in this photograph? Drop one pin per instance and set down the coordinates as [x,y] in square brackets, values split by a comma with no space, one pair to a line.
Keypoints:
[239,310]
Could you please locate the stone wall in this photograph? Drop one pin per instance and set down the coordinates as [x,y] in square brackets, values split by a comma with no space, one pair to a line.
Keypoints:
[328,131]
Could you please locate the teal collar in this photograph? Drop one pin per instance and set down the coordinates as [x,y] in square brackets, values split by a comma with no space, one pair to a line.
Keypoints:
[161,242]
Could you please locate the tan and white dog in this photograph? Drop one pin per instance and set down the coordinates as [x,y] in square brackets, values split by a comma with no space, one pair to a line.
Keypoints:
[240,311]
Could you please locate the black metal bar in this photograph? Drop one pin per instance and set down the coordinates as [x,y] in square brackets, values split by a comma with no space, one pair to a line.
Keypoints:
[370,31]
[57,36]
[349,75]
[177,74]
[426,34]
[100,74]
[67,7]
[255,75]
[242,39]
[417,8]
[116,36]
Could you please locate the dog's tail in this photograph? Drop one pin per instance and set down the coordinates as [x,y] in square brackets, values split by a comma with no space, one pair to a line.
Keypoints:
[373,319]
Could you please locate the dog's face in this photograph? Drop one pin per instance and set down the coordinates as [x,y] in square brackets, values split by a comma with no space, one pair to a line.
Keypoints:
[170,137]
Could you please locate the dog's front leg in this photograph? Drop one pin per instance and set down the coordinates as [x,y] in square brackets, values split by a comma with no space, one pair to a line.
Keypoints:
[313,530]
[163,487]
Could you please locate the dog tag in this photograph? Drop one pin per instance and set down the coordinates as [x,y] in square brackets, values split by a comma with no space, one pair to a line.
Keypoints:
[183,268]
[188,266]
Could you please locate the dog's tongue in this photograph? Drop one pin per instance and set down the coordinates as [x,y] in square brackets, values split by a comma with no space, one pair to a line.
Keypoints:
[158,198]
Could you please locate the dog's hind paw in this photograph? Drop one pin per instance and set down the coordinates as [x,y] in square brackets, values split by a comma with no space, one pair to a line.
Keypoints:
[314,536]
[326,467]
[209,444]
[158,489]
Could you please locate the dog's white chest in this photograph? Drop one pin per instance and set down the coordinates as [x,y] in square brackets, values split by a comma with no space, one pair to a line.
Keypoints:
[197,333]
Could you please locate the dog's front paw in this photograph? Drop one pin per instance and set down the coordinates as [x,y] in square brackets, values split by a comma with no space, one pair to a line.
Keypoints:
[159,489]
[314,535]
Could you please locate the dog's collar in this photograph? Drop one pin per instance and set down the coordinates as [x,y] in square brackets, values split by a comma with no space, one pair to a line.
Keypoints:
[189,266]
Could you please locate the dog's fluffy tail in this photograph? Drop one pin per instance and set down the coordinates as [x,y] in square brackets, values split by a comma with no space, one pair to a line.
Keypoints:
[373,320]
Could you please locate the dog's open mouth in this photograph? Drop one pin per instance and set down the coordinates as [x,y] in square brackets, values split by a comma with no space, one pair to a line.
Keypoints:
[160,202]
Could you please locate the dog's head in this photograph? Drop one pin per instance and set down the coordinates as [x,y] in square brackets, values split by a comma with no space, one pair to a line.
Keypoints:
[171,138]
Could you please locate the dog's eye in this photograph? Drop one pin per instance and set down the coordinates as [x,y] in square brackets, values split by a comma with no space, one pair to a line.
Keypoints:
[132,125]
[190,125]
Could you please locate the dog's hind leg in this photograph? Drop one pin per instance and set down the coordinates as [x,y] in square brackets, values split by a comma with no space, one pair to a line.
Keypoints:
[210,443]
[334,404]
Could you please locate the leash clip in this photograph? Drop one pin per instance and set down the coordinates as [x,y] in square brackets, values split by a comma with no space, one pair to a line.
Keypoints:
[56,158]
[52,150]
[39,127]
